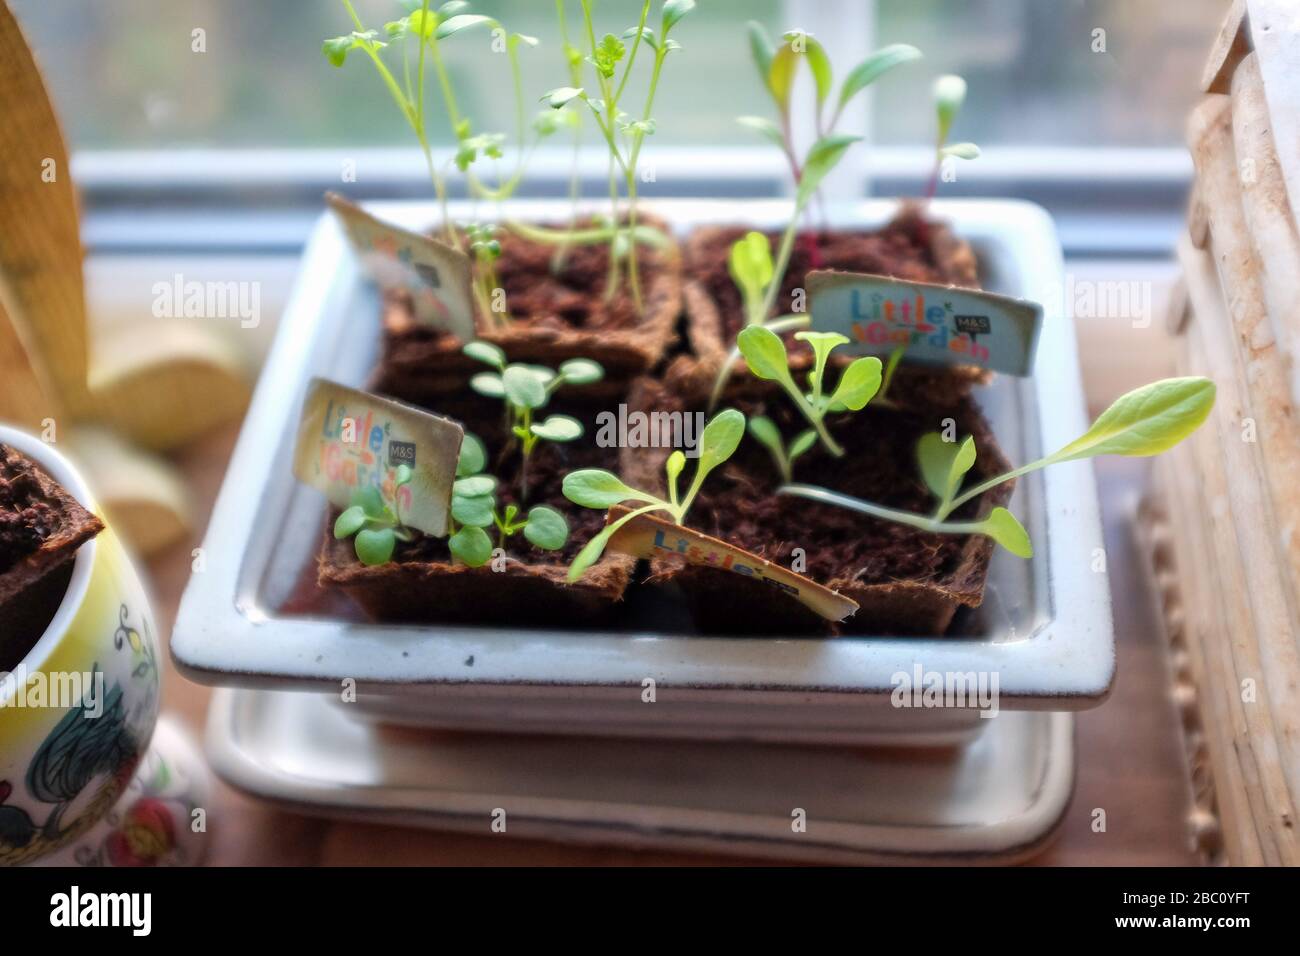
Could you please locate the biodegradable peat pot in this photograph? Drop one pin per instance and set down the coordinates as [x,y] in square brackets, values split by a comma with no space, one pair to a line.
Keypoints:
[556,316]
[906,581]
[909,246]
[422,584]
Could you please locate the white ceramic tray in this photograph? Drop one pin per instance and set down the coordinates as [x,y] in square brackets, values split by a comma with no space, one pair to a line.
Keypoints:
[998,800]
[1045,628]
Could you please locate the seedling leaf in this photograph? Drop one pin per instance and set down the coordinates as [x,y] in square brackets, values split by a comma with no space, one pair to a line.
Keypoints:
[1001,525]
[375,545]
[558,428]
[522,386]
[766,433]
[546,528]
[719,441]
[822,158]
[1145,421]
[369,500]
[475,486]
[949,94]
[580,371]
[858,385]
[487,353]
[674,10]
[349,522]
[596,488]
[765,354]
[874,67]
[559,97]
[750,264]
[471,546]
[760,49]
[473,456]
[457,23]
[489,384]
[943,464]
[802,442]
[764,127]
[961,151]
[474,511]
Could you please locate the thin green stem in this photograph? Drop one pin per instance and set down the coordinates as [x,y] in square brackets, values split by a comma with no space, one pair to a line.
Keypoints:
[631,58]
[784,251]
[993,483]
[724,373]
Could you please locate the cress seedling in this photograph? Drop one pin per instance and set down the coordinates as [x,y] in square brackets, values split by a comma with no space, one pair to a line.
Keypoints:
[525,390]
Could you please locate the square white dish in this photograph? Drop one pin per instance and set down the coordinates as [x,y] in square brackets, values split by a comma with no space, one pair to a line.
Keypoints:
[1045,630]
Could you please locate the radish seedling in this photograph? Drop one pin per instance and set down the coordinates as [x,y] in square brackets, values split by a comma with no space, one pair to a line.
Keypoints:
[526,389]
[372,523]
[474,509]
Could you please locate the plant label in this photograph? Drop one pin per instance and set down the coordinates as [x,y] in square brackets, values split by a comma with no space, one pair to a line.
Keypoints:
[646,536]
[437,276]
[348,439]
[935,324]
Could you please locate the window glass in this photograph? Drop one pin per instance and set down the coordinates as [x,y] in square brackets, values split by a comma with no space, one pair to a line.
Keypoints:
[1045,72]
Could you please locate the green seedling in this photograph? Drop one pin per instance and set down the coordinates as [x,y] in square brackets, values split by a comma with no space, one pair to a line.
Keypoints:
[949,95]
[474,509]
[418,38]
[486,250]
[777,68]
[372,523]
[599,489]
[612,58]
[1143,422]
[525,390]
[751,268]
[765,354]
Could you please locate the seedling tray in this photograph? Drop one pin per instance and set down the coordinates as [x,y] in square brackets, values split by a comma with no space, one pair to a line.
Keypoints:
[1044,629]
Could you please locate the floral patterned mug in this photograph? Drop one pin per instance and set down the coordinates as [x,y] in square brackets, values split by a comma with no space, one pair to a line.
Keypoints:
[77,713]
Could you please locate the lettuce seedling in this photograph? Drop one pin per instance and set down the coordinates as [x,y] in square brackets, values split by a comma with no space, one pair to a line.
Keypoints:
[624,134]
[599,489]
[751,268]
[765,354]
[949,94]
[372,523]
[526,389]
[474,509]
[1143,422]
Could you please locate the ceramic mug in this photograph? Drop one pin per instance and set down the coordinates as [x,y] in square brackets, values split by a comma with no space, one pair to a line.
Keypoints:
[77,714]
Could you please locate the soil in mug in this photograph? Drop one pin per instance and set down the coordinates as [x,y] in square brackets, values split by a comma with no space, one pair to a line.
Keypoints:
[41,528]
[901,249]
